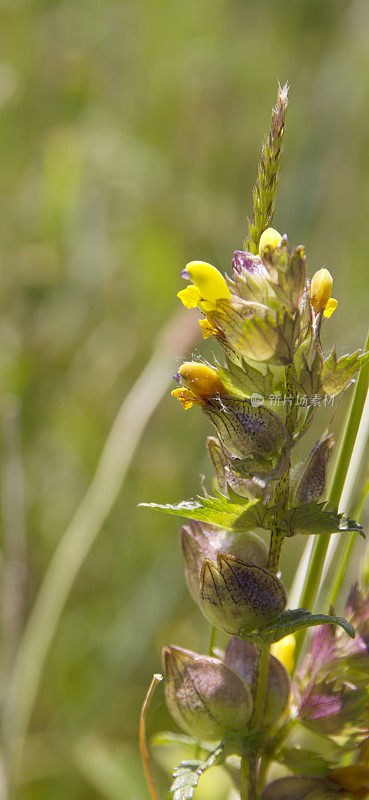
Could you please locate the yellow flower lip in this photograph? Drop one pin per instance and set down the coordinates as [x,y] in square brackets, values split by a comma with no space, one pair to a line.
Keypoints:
[270,238]
[320,292]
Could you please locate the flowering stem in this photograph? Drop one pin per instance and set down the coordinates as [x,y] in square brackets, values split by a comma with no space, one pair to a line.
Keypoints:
[321,543]
[268,173]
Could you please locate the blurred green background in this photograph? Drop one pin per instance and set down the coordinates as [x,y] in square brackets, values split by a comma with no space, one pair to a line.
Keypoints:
[129,138]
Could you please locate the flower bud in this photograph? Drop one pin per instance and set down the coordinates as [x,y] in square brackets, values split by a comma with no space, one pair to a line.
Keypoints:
[320,292]
[269,239]
[302,787]
[201,541]
[206,698]
[237,596]
[198,382]
[246,265]
[243,658]
[312,483]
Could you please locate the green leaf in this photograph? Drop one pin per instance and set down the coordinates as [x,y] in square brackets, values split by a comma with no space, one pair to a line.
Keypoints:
[294,620]
[310,518]
[289,282]
[188,773]
[337,373]
[269,338]
[218,510]
[257,515]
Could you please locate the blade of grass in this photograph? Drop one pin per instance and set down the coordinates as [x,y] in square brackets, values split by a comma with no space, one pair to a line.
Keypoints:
[321,543]
[352,495]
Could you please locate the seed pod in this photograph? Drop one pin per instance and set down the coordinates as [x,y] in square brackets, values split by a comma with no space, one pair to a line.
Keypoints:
[201,541]
[206,698]
[302,787]
[312,483]
[243,657]
[227,477]
[245,429]
[237,596]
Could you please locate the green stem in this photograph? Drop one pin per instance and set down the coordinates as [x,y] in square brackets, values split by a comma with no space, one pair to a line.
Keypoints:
[276,543]
[213,634]
[321,543]
[245,778]
[261,688]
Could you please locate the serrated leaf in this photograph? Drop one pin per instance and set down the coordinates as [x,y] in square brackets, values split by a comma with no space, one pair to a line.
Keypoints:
[289,282]
[309,373]
[188,773]
[257,515]
[245,380]
[218,511]
[291,621]
[269,338]
[337,373]
[310,518]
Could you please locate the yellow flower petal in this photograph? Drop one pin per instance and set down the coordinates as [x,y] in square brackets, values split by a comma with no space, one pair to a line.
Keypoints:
[270,238]
[186,397]
[190,296]
[320,289]
[330,307]
[284,651]
[200,379]
[209,281]
[207,328]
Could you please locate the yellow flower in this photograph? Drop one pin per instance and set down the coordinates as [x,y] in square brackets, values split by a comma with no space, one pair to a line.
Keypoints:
[284,651]
[320,292]
[199,382]
[270,238]
[207,288]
